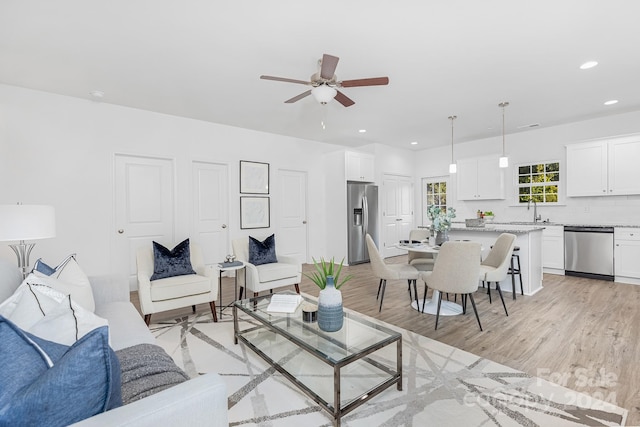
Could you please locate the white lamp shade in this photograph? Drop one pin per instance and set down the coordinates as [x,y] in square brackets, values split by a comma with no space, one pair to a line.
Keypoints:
[504,162]
[453,168]
[27,222]
[323,93]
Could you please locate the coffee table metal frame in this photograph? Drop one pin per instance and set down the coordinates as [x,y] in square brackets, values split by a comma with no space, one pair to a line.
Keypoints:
[255,308]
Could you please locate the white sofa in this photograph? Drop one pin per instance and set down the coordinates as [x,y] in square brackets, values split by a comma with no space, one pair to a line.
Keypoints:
[198,402]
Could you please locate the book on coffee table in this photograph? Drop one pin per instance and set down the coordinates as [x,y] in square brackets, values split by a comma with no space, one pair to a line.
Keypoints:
[284,303]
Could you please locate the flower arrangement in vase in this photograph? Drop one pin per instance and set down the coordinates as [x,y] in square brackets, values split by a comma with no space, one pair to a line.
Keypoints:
[440,221]
[327,278]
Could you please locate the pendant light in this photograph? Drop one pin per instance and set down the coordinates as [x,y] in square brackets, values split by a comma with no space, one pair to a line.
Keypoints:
[504,160]
[452,165]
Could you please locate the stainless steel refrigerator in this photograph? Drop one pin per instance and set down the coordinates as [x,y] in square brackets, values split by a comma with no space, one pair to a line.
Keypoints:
[362,218]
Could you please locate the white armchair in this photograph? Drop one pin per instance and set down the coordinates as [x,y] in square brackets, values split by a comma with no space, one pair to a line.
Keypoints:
[178,291]
[287,271]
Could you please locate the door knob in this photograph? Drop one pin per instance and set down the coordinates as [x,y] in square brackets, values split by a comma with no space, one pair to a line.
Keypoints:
[120,231]
[304,222]
[224,225]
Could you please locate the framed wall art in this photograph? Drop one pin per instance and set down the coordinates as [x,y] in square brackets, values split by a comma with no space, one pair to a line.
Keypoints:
[254,177]
[254,212]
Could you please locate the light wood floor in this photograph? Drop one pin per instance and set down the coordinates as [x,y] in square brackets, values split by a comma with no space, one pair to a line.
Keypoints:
[580,333]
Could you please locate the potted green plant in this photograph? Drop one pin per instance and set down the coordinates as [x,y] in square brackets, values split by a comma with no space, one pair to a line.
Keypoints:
[327,278]
[325,269]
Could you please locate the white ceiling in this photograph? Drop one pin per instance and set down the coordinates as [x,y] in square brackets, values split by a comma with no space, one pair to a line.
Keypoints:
[203,58]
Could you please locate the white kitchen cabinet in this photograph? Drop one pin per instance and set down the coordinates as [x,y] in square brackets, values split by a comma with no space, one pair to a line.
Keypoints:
[480,179]
[359,166]
[626,254]
[604,167]
[553,249]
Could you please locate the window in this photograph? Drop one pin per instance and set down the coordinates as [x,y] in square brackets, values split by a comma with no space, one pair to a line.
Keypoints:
[434,192]
[539,182]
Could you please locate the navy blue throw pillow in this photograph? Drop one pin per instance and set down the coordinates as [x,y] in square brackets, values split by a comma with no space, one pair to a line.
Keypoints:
[174,262]
[45,383]
[262,252]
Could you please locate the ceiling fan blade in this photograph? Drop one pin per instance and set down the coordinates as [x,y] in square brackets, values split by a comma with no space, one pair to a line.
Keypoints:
[298,97]
[344,99]
[329,64]
[374,81]
[283,79]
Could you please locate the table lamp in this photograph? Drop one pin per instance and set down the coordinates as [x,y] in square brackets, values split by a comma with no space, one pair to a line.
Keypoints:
[26,222]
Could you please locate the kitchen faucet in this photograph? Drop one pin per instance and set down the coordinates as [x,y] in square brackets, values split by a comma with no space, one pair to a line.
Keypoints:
[536,217]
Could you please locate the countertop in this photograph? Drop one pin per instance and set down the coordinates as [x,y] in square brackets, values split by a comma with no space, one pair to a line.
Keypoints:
[498,228]
[559,224]
[525,227]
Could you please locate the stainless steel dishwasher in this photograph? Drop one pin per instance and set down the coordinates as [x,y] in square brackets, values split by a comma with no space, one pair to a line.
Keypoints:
[588,252]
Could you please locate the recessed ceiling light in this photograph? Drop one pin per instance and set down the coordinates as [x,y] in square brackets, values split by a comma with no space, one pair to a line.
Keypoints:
[97,94]
[362,130]
[588,64]
[611,102]
[414,143]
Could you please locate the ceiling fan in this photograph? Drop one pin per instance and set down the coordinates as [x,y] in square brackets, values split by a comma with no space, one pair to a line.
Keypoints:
[325,82]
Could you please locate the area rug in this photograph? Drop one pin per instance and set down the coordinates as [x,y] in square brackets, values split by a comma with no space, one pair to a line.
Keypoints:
[442,385]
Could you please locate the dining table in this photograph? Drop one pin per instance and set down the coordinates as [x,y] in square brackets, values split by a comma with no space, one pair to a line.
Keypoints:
[447,308]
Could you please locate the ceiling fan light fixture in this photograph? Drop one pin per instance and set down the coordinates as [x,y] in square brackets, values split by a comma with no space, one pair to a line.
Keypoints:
[323,93]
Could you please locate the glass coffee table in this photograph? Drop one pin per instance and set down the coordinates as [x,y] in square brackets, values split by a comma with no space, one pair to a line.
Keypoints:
[338,370]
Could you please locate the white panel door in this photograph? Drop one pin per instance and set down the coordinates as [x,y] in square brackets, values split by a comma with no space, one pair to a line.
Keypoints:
[405,207]
[390,219]
[397,213]
[211,210]
[291,237]
[144,209]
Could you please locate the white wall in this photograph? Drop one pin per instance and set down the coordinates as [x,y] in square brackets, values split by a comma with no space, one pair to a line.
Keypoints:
[59,150]
[536,146]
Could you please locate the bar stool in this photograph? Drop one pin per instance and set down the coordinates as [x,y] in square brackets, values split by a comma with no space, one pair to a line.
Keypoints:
[513,270]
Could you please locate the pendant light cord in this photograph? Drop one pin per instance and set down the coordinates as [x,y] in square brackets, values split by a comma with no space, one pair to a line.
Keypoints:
[503,105]
[452,118]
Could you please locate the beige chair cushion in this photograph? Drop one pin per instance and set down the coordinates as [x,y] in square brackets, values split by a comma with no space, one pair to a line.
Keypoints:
[417,257]
[402,271]
[276,271]
[456,269]
[389,271]
[179,287]
[495,267]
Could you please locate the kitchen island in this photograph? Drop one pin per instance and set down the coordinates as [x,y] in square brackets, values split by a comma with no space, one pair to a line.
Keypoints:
[528,238]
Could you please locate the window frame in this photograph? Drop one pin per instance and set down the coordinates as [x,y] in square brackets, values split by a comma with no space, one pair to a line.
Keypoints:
[423,192]
[559,183]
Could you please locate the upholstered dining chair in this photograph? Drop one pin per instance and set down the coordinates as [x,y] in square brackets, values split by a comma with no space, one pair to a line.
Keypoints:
[421,261]
[386,271]
[495,267]
[455,271]
[172,292]
[285,271]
